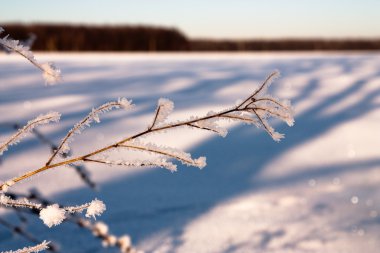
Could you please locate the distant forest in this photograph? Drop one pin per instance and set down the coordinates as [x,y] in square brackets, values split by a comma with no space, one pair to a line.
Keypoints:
[63,37]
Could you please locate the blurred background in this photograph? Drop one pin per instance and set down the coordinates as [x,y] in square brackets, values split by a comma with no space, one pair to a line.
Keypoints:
[197,25]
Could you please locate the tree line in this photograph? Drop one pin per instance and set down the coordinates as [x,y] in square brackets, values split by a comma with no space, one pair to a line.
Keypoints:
[64,37]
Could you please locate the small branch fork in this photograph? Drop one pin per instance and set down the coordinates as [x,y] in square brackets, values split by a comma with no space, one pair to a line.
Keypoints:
[251,105]
[78,126]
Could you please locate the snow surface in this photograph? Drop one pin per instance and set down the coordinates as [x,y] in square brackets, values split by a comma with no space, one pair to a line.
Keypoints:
[315,191]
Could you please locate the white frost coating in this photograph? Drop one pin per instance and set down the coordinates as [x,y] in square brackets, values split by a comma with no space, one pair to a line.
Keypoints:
[110,240]
[6,186]
[212,124]
[183,157]
[267,83]
[96,207]
[264,106]
[7,201]
[94,114]
[241,117]
[159,162]
[65,149]
[280,109]
[125,103]
[163,163]
[125,243]
[37,248]
[201,162]
[1,29]
[40,120]
[165,107]
[50,73]
[52,215]
[270,130]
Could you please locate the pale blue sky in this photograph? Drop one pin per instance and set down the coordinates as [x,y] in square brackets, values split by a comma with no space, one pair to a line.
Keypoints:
[213,18]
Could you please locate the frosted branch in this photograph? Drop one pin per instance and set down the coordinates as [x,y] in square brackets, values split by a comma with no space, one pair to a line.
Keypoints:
[40,120]
[254,110]
[37,248]
[7,201]
[98,229]
[53,215]
[50,73]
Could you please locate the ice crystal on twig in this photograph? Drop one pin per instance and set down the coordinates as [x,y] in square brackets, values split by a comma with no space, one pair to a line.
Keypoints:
[52,215]
[96,207]
[40,120]
[37,248]
[50,73]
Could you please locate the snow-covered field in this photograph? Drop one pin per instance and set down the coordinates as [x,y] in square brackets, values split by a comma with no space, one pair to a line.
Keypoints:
[318,190]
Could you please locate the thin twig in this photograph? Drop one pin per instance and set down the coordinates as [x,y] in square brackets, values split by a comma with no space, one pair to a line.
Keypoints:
[155,117]
[131,146]
[77,127]
[267,80]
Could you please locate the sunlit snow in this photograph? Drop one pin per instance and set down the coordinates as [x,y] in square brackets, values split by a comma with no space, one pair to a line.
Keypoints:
[315,191]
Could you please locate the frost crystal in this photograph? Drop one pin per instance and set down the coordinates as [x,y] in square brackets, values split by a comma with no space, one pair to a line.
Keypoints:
[165,107]
[51,73]
[125,103]
[52,215]
[96,207]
